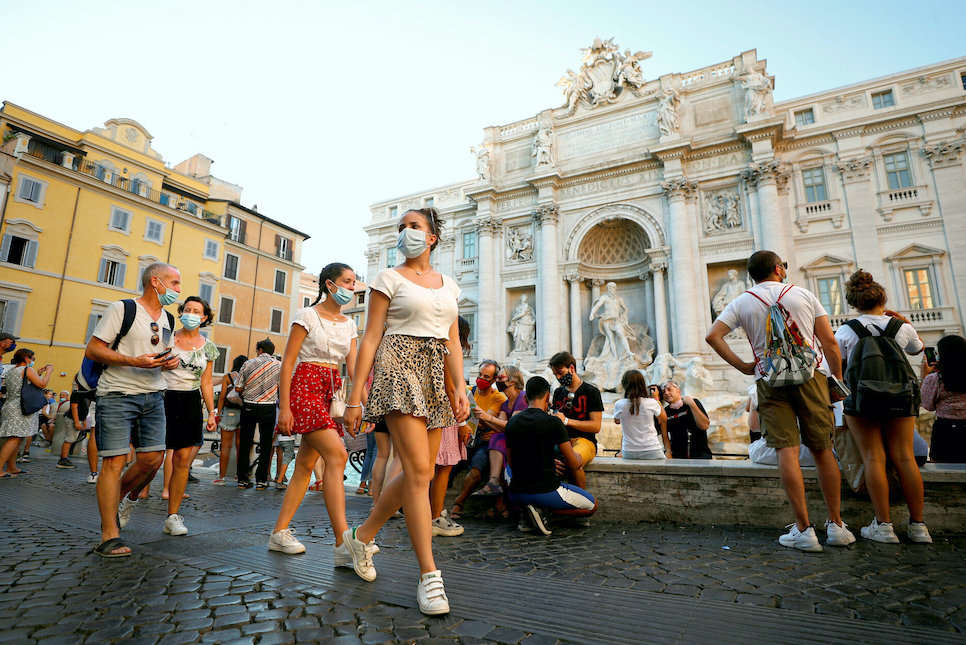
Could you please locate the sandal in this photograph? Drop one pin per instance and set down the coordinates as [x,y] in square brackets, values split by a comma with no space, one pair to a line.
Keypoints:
[492,488]
[363,489]
[494,513]
[106,548]
[455,514]
[317,487]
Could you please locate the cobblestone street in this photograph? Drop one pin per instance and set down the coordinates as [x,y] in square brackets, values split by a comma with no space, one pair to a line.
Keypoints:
[611,583]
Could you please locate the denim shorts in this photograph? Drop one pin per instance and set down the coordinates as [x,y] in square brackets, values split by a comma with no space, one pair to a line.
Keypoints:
[480,459]
[126,419]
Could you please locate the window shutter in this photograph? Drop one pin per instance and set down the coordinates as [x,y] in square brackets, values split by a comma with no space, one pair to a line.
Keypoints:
[30,257]
[35,191]
[10,316]
[242,227]
[4,248]
[92,321]
[102,271]
[278,243]
[119,274]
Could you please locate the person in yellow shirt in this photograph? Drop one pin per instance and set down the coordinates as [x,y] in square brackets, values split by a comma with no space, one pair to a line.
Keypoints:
[489,399]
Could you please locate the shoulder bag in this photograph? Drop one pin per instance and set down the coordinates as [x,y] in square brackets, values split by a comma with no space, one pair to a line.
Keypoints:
[32,398]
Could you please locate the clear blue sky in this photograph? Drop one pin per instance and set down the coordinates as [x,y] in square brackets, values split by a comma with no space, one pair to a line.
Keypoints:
[320,108]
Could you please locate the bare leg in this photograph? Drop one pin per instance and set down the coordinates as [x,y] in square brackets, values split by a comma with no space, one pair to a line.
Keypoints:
[278,463]
[329,444]
[92,452]
[794,484]
[65,450]
[470,482]
[319,468]
[109,495]
[830,481]
[898,438]
[437,490]
[227,439]
[168,468]
[868,434]
[26,446]
[305,460]
[496,465]
[178,479]
[383,446]
[9,450]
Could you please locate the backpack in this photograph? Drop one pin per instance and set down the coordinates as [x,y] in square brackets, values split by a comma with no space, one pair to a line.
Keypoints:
[90,371]
[789,359]
[882,381]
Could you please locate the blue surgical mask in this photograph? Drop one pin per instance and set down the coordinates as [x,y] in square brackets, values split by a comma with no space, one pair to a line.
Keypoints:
[342,296]
[190,321]
[411,242]
[12,347]
[169,297]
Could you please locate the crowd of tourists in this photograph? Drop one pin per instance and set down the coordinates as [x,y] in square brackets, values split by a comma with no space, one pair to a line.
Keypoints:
[145,397]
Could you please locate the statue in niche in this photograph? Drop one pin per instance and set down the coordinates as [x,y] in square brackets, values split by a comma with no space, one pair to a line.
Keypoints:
[519,245]
[619,346]
[667,112]
[757,88]
[522,327]
[732,212]
[612,324]
[542,149]
[482,162]
[730,290]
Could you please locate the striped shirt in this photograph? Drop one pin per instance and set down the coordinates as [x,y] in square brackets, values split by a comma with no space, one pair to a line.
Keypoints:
[259,378]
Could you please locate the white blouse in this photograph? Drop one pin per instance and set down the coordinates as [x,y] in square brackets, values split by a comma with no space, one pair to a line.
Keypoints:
[326,341]
[415,310]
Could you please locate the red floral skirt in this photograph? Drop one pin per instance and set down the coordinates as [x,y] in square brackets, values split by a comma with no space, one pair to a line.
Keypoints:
[311,397]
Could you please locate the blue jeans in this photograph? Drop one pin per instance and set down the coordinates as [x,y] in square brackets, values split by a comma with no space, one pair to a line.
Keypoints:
[370,459]
[566,500]
[123,420]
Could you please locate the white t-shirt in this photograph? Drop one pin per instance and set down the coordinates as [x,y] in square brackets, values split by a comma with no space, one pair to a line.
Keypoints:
[132,380]
[415,310]
[187,376]
[906,337]
[750,313]
[639,433]
[326,341]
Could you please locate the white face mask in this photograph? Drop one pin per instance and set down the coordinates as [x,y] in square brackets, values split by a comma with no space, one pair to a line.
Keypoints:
[411,242]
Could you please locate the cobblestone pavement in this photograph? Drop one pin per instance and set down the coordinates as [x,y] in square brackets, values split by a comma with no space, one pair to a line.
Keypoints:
[611,583]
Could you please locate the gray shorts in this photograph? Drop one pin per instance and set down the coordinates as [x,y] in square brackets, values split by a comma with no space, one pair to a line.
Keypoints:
[230,419]
[288,451]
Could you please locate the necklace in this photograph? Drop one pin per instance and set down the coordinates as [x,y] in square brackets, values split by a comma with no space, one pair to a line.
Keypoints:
[422,272]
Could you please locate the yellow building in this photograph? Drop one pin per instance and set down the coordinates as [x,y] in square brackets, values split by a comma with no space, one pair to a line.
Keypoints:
[85,213]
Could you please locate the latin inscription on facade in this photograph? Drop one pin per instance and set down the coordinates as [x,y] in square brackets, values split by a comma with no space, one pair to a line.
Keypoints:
[605,136]
[712,111]
[608,184]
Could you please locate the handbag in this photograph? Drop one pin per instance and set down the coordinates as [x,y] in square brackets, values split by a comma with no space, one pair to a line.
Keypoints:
[337,407]
[233,397]
[32,398]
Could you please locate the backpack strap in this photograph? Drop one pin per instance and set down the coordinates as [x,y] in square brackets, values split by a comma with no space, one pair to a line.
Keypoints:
[170,320]
[130,311]
[892,328]
[858,328]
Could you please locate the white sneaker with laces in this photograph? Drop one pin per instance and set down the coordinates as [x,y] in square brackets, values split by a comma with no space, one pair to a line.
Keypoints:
[917,532]
[536,519]
[836,535]
[92,478]
[446,527]
[285,542]
[124,510]
[341,556]
[361,555]
[174,525]
[802,540]
[880,532]
[431,595]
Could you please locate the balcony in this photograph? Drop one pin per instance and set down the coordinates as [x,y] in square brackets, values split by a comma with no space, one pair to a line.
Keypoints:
[942,319]
[908,197]
[828,209]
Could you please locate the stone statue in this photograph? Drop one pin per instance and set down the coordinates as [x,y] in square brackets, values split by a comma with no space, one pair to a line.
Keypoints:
[620,345]
[482,162]
[732,212]
[519,245]
[542,148]
[662,369]
[714,213]
[604,74]
[630,70]
[612,324]
[728,292]
[574,89]
[667,112]
[522,327]
[697,378]
[757,88]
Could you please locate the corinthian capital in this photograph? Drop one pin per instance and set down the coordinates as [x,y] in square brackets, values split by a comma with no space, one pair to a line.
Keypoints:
[853,169]
[545,213]
[679,188]
[943,154]
[488,225]
[769,171]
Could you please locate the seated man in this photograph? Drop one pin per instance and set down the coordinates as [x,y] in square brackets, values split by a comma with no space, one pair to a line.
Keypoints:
[578,405]
[531,437]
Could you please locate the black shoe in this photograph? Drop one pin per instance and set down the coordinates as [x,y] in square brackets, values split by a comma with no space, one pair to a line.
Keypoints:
[261,486]
[192,478]
[245,484]
[65,463]
[537,519]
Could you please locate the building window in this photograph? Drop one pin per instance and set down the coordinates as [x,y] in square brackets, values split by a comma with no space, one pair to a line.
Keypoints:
[306,301]
[153,231]
[830,295]
[231,266]
[276,327]
[111,272]
[222,361]
[805,117]
[236,229]
[206,291]
[919,288]
[9,319]
[120,220]
[362,297]
[469,245]
[30,190]
[226,309]
[211,250]
[897,170]
[883,100]
[283,247]
[393,212]
[281,277]
[391,258]
[814,181]
[191,207]
[18,250]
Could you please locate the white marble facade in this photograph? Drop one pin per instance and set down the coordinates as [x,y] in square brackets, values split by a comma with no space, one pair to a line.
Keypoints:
[665,186]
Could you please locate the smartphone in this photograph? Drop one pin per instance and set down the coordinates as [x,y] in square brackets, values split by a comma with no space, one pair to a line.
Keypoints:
[164,353]
[838,387]
[930,353]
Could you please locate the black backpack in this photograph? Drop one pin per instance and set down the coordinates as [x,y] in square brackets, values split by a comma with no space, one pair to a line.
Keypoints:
[882,382]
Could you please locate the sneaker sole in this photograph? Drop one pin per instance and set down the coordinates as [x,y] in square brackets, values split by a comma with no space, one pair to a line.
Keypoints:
[172,532]
[814,548]
[58,465]
[536,520]
[829,542]
[284,549]
[429,611]
[438,532]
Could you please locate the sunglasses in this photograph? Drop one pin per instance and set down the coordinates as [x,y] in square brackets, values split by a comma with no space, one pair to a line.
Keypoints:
[155,338]
[569,403]
[783,265]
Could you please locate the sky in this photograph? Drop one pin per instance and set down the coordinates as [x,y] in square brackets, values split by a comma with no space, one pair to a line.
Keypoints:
[319,109]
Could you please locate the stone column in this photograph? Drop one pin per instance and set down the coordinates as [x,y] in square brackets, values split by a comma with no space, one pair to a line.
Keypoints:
[595,286]
[489,275]
[576,318]
[684,265]
[548,292]
[660,309]
[771,176]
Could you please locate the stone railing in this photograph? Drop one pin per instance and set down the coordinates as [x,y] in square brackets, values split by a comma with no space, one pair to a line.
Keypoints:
[940,318]
[519,127]
[713,72]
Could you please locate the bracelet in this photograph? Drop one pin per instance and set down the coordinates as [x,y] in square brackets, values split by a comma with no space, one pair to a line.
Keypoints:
[353,406]
[566,421]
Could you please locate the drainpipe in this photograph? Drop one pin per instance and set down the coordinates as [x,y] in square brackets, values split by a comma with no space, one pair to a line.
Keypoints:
[63,274]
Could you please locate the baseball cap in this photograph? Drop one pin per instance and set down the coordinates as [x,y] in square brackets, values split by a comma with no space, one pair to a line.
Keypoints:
[6,336]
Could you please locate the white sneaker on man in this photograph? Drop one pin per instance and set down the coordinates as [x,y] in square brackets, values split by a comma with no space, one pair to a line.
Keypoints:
[431,595]
[836,535]
[446,527]
[361,555]
[880,532]
[174,525]
[285,542]
[124,510]
[536,519]
[917,532]
[802,540]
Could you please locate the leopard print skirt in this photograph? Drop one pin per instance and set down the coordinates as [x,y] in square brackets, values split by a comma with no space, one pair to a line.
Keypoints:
[409,379]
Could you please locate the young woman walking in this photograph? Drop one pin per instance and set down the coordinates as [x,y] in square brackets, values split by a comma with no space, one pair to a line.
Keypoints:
[229,419]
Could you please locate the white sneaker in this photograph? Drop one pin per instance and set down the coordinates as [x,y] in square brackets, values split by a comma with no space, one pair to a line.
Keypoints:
[341,556]
[218,482]
[124,510]
[836,535]
[918,533]
[880,532]
[446,527]
[174,525]
[361,555]
[431,595]
[92,478]
[802,540]
[536,519]
[285,542]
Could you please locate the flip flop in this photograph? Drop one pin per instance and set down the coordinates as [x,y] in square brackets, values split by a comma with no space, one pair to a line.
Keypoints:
[455,514]
[105,549]
[7,476]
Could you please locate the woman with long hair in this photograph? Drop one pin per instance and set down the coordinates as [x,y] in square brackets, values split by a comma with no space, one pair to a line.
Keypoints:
[879,437]
[510,382]
[229,418]
[321,338]
[14,424]
[411,334]
[639,415]
[944,390]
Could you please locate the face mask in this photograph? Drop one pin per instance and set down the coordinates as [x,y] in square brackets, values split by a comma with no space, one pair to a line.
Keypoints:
[411,242]
[169,297]
[12,347]
[190,321]
[342,296]
[482,384]
[566,379]
[502,385]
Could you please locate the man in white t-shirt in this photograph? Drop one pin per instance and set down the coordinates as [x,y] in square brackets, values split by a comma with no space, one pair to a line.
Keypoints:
[130,399]
[790,414]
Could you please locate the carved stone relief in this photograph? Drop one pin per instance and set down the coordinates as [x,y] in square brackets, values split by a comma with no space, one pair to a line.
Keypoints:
[604,74]
[519,244]
[843,104]
[722,211]
[926,84]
